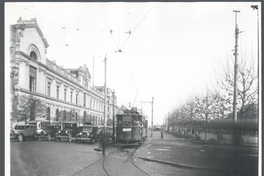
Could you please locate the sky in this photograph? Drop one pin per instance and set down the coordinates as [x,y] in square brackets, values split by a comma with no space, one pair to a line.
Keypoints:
[169,51]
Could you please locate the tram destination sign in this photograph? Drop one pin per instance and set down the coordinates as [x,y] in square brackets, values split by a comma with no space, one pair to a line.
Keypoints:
[126,129]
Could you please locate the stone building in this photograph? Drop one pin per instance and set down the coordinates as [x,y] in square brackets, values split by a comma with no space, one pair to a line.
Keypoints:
[66,93]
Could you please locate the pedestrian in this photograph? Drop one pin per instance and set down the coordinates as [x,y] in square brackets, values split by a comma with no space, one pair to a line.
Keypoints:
[161,133]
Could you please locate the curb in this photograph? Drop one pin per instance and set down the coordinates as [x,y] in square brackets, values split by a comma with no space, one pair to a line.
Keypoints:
[181,165]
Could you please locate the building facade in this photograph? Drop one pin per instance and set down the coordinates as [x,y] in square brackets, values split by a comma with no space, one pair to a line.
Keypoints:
[66,93]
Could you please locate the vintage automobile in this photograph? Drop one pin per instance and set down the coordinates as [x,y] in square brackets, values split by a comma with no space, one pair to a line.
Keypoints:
[69,130]
[48,131]
[39,123]
[21,132]
[88,133]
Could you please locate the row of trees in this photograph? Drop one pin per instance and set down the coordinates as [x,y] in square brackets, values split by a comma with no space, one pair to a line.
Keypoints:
[218,104]
[26,108]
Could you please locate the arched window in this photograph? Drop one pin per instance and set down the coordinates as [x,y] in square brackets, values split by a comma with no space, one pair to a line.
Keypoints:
[48,113]
[33,55]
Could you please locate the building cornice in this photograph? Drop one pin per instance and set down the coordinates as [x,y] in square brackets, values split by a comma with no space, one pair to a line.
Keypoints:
[56,100]
[23,24]
[59,74]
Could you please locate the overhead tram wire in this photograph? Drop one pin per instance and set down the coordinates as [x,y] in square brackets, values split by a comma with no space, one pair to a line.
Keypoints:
[130,32]
[62,27]
[110,30]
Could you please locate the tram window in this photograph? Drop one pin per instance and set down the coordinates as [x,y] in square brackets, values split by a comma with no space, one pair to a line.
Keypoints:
[119,121]
[126,123]
[136,123]
[126,118]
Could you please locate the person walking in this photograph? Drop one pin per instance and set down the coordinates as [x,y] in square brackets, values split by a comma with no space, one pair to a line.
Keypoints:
[161,133]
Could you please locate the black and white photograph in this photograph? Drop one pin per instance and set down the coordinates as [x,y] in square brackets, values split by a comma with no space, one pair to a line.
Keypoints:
[133,88]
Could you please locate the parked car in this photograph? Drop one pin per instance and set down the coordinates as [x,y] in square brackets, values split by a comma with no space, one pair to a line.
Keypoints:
[88,133]
[69,130]
[40,123]
[21,132]
[48,131]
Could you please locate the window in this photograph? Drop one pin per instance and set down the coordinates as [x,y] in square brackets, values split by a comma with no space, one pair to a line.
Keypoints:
[90,103]
[71,96]
[48,113]
[32,78]
[58,91]
[33,55]
[84,99]
[76,98]
[49,85]
[65,93]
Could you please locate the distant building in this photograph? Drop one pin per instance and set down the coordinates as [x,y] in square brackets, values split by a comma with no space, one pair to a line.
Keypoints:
[64,91]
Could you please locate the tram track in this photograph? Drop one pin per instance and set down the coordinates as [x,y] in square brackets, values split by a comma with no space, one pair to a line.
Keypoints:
[127,166]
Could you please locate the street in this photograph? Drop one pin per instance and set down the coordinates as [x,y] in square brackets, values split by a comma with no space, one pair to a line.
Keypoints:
[50,158]
[168,156]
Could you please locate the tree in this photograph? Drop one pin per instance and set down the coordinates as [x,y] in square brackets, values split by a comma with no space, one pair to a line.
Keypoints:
[247,87]
[27,108]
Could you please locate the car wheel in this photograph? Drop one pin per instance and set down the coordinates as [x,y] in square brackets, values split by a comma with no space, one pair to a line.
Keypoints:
[48,137]
[70,138]
[20,137]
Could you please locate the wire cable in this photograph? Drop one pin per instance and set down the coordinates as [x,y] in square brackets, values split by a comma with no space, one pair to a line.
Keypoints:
[110,30]
[130,32]
[142,19]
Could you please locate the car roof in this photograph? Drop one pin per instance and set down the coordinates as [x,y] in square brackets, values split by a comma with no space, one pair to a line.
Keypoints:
[68,122]
[35,121]
[89,126]
[27,125]
[53,125]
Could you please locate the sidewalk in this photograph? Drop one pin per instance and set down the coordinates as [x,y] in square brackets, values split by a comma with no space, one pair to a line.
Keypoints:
[182,153]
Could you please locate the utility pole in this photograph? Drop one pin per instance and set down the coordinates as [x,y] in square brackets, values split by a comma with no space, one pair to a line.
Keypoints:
[235,69]
[93,69]
[152,102]
[255,7]
[105,110]
[235,132]
[168,127]
[113,137]
[152,117]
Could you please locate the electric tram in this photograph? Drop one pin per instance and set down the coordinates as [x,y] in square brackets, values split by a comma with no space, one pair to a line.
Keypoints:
[131,127]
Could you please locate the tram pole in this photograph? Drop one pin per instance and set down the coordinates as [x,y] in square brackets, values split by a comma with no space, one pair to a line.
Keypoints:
[152,117]
[105,111]
[113,137]
[235,132]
